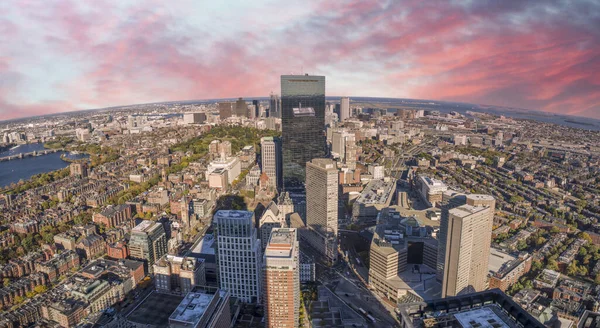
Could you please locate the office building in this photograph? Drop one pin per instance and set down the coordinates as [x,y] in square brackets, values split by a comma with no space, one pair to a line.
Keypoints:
[271,160]
[226,109]
[281,274]
[231,165]
[344,108]
[274,106]
[202,308]
[238,254]
[241,108]
[194,118]
[464,243]
[148,242]
[322,205]
[375,196]
[490,308]
[303,124]
[178,274]
[431,190]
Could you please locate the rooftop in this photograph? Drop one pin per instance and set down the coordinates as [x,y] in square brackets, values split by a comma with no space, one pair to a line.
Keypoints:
[233,215]
[192,307]
[482,318]
[145,226]
[377,192]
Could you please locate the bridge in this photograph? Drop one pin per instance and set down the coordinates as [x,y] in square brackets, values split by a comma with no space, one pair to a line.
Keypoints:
[31,154]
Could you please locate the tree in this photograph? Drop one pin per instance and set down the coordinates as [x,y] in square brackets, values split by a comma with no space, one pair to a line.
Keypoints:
[582,270]
[585,236]
[6,282]
[572,269]
[552,265]
[554,230]
[18,299]
[536,265]
[40,289]
[597,279]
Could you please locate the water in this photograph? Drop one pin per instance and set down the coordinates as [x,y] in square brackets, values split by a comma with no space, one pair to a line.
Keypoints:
[23,169]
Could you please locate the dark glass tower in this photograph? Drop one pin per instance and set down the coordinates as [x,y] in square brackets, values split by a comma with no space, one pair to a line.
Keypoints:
[303,123]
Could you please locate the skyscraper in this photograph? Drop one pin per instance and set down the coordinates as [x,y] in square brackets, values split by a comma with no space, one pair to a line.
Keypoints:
[322,205]
[225,109]
[241,108]
[238,254]
[148,242]
[303,124]
[344,108]
[464,243]
[281,274]
[275,106]
[271,160]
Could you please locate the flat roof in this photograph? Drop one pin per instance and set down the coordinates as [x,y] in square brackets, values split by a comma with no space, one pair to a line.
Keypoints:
[233,214]
[377,192]
[205,246]
[466,210]
[497,259]
[192,307]
[144,226]
[482,318]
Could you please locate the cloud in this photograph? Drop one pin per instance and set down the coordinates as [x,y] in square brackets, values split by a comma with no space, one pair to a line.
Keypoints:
[74,55]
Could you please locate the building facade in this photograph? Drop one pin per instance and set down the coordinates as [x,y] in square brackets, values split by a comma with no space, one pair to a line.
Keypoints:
[464,244]
[322,205]
[303,123]
[238,254]
[281,274]
[271,159]
[148,242]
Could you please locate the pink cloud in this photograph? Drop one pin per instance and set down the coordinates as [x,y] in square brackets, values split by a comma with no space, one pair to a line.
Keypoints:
[510,53]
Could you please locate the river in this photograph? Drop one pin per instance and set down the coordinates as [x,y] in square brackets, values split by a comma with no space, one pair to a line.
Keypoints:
[23,169]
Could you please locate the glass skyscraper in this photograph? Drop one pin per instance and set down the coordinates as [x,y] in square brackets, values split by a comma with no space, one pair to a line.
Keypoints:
[303,124]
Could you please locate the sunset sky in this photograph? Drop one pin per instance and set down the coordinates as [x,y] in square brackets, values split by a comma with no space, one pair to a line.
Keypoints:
[69,55]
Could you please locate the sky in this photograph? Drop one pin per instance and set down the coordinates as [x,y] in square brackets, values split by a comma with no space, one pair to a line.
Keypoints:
[63,55]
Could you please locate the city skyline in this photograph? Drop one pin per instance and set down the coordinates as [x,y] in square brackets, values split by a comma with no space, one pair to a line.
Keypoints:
[541,56]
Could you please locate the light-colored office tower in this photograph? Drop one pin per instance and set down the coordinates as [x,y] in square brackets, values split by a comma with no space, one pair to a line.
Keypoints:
[464,243]
[344,108]
[338,144]
[281,274]
[194,118]
[238,254]
[148,242]
[351,149]
[271,160]
[322,205]
[202,308]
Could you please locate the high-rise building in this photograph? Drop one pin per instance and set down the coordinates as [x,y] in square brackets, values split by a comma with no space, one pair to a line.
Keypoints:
[194,118]
[281,274]
[148,242]
[322,205]
[464,243]
[241,109]
[238,254]
[275,106]
[303,124]
[344,108]
[255,112]
[271,159]
[225,109]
